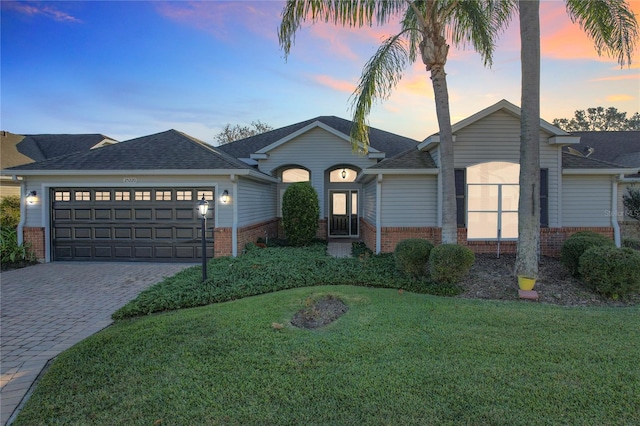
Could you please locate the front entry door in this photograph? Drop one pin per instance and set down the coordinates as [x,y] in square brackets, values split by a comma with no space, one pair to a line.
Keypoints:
[343,217]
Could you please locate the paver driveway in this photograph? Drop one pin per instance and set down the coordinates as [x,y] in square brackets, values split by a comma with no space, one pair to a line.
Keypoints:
[48,308]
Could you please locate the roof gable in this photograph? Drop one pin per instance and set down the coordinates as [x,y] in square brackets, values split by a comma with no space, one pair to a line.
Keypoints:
[46,146]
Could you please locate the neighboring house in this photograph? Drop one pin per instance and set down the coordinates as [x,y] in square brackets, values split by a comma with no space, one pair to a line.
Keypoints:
[16,150]
[136,200]
[620,148]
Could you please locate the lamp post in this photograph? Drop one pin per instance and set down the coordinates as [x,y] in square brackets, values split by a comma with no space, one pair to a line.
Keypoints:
[203,207]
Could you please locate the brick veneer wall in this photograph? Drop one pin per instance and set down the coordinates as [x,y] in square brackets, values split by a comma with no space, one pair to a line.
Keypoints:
[250,234]
[35,237]
[551,239]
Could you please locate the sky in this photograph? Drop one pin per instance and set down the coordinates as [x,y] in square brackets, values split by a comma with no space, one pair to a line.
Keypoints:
[133,68]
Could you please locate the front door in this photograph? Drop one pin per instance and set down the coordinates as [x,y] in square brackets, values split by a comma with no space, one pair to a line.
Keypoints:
[343,216]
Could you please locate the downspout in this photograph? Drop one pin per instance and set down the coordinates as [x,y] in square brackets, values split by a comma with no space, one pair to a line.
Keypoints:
[614,210]
[23,211]
[234,223]
[378,210]
[439,195]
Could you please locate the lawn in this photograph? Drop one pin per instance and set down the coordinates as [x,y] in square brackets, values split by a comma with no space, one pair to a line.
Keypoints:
[393,358]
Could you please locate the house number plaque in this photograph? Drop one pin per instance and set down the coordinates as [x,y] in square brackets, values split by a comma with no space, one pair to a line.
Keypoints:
[130,180]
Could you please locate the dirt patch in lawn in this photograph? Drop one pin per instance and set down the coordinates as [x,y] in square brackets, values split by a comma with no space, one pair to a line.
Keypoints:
[492,278]
[318,313]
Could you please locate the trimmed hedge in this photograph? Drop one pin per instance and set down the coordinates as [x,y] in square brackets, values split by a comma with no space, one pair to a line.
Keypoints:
[300,212]
[577,244]
[611,271]
[412,256]
[449,263]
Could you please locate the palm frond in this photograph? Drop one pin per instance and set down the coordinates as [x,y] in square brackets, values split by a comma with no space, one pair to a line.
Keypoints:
[379,77]
[610,24]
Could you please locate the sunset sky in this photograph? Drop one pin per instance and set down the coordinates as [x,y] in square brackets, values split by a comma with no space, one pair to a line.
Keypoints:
[132,68]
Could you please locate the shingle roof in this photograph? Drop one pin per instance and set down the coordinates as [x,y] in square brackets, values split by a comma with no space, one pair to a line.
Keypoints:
[574,161]
[43,147]
[410,159]
[621,148]
[170,150]
[386,142]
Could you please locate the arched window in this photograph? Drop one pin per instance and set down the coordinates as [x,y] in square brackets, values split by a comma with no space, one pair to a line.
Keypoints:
[343,175]
[492,205]
[295,175]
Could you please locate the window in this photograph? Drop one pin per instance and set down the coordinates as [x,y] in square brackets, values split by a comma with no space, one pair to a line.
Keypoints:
[83,196]
[103,195]
[295,175]
[163,195]
[122,196]
[208,195]
[62,196]
[184,195]
[142,196]
[343,175]
[492,201]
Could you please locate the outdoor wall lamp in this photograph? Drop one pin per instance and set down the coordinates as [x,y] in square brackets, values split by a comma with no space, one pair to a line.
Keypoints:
[32,197]
[203,207]
[224,198]
[343,173]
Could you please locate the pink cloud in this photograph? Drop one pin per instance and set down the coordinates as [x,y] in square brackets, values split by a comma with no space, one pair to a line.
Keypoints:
[334,84]
[37,9]
[620,98]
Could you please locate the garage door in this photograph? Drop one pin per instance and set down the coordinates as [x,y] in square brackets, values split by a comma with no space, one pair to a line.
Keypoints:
[141,224]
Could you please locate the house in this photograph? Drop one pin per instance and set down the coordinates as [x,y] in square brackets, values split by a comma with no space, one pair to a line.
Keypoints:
[23,149]
[136,200]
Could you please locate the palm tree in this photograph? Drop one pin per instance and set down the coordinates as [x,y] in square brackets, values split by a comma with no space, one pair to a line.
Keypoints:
[613,28]
[425,24]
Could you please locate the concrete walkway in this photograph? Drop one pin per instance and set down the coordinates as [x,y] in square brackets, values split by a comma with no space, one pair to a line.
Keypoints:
[50,307]
[339,249]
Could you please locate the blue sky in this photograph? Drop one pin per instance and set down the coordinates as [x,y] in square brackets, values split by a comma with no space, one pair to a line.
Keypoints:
[132,68]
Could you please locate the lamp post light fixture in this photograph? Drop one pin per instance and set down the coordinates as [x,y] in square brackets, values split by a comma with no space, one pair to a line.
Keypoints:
[203,207]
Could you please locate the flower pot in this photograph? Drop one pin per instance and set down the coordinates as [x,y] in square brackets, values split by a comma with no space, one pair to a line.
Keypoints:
[526,283]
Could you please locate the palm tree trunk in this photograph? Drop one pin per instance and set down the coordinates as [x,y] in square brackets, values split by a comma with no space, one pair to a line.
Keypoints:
[441,95]
[529,204]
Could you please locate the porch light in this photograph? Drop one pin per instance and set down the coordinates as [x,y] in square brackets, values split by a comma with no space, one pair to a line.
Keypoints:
[203,207]
[344,173]
[224,198]
[32,197]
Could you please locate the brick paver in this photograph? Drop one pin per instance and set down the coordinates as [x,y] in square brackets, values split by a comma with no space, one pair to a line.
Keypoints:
[50,307]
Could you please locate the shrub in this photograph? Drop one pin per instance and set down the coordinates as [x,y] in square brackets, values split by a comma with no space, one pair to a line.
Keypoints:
[412,255]
[631,202]
[633,243]
[10,211]
[449,263]
[10,250]
[611,271]
[300,211]
[574,246]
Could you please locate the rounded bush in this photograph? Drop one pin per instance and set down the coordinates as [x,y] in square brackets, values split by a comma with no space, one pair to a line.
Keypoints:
[574,246]
[449,263]
[611,271]
[300,212]
[412,255]
[9,211]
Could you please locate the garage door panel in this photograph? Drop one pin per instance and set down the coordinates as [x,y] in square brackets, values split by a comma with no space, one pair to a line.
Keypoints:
[142,225]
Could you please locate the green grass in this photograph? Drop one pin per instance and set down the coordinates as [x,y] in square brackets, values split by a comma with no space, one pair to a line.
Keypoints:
[396,359]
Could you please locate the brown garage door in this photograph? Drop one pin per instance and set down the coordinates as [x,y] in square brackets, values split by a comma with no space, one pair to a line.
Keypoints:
[141,224]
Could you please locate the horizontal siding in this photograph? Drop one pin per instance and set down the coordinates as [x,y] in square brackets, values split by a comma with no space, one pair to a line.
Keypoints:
[257,202]
[586,201]
[497,138]
[409,201]
[317,151]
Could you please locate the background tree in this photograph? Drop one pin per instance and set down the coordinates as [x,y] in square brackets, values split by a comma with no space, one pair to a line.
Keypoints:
[425,25]
[598,119]
[233,133]
[613,28]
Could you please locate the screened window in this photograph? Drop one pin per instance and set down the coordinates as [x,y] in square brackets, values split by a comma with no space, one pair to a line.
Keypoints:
[492,201]
[295,175]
